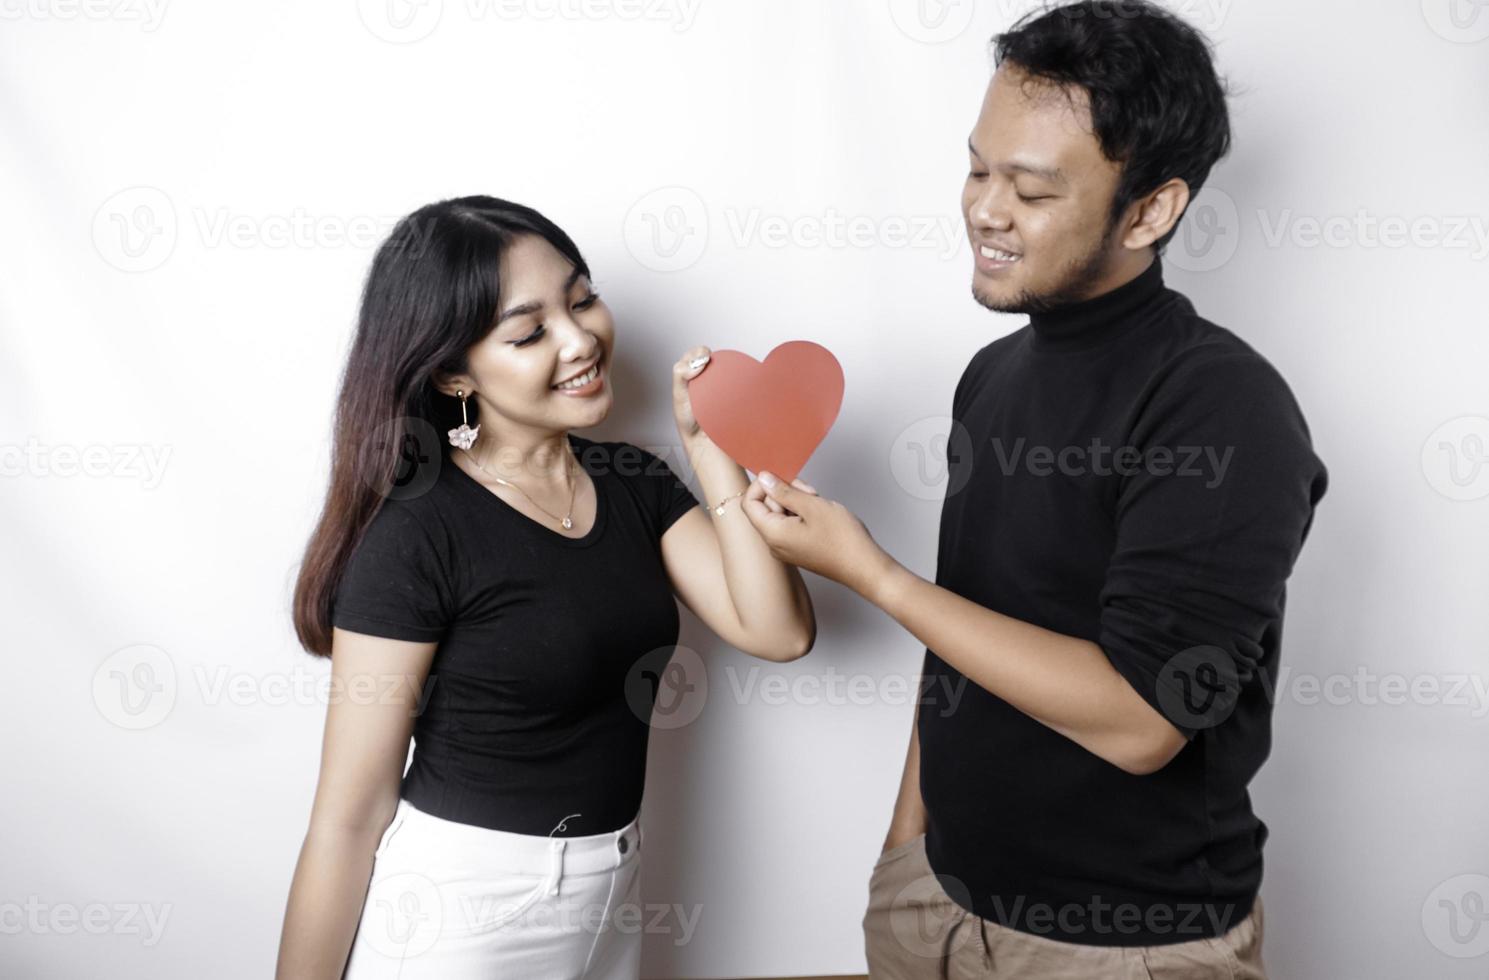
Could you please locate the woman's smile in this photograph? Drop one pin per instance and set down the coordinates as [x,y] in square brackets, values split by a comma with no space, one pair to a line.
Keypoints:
[591,382]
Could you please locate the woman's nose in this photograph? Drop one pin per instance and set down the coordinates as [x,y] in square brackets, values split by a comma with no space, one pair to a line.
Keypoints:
[577,343]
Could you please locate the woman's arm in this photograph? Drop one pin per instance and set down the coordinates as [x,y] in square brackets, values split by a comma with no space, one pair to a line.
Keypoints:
[376,687]
[724,573]
[718,564]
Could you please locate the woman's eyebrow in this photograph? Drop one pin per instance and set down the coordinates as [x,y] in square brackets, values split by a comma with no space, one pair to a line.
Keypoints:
[537,305]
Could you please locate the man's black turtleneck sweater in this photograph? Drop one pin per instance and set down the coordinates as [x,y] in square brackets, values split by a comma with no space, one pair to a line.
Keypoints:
[1141,478]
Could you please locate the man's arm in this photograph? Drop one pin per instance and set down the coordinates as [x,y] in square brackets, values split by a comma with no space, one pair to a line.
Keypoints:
[1060,681]
[1197,564]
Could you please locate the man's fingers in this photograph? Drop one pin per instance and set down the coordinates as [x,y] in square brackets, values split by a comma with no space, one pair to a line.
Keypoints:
[754,505]
[801,484]
[770,524]
[756,492]
[784,494]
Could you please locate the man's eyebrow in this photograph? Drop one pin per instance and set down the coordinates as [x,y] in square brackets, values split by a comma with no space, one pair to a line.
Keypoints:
[1047,173]
[1054,174]
[535,305]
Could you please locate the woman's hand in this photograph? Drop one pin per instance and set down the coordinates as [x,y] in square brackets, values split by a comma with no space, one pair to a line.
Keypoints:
[688,367]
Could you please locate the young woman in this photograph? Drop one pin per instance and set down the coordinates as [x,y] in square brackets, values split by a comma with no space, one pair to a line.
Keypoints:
[507,600]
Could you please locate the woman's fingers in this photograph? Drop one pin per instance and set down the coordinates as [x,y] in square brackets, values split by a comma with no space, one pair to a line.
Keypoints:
[691,364]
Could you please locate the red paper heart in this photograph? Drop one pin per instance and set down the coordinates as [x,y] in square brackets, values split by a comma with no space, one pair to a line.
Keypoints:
[769,416]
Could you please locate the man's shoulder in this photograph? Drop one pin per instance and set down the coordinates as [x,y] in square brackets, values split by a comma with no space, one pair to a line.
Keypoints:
[1199,351]
[994,350]
[1202,370]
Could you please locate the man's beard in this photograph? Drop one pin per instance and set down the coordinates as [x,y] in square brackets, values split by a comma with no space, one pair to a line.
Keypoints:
[1080,276]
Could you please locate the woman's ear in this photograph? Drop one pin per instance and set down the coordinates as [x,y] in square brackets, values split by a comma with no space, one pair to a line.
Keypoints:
[448,384]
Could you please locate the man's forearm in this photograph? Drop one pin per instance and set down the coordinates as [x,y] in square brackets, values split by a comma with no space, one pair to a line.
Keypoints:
[1064,682]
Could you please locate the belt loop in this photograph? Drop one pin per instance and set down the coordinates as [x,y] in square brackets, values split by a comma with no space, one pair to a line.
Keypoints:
[556,867]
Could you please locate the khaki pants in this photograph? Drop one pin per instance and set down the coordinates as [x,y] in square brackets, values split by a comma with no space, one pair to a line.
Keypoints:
[914,930]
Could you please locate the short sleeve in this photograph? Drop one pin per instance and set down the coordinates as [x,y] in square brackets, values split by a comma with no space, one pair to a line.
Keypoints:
[1207,535]
[396,583]
[667,495]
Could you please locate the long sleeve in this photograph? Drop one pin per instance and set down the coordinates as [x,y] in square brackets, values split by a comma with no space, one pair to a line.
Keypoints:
[1205,541]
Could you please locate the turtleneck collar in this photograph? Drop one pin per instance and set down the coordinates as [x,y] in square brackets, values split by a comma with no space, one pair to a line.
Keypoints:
[1091,322]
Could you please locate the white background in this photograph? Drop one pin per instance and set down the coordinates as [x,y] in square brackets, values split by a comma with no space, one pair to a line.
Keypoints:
[193,192]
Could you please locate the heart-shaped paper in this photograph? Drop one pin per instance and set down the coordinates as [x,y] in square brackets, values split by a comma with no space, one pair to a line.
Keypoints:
[771,415]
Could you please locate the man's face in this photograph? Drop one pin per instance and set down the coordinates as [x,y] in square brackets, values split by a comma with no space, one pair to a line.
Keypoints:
[1037,198]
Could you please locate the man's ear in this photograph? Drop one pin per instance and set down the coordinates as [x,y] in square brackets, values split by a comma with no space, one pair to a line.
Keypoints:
[1153,216]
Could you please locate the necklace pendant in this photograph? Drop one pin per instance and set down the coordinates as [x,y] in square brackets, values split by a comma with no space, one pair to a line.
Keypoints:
[567,523]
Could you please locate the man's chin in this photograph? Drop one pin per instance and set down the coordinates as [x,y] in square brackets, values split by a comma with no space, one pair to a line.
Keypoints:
[1002,302]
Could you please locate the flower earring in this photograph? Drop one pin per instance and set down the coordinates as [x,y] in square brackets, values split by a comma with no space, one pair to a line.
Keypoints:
[464,436]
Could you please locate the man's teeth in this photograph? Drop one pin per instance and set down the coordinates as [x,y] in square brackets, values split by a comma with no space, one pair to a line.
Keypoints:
[582,380]
[993,253]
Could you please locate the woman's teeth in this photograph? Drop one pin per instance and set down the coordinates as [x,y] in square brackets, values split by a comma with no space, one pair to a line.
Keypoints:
[582,380]
[996,255]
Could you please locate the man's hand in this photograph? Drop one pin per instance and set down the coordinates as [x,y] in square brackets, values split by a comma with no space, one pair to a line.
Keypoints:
[814,533]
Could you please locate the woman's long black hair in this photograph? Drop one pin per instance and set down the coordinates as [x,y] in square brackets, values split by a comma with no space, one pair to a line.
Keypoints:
[432,293]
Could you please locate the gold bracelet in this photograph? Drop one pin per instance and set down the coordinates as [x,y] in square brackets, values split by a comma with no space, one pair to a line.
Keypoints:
[718,508]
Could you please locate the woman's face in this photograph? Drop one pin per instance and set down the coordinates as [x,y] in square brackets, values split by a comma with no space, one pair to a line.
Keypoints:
[551,327]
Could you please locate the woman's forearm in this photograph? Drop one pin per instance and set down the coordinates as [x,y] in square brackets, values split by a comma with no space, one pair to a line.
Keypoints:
[325,903]
[770,599]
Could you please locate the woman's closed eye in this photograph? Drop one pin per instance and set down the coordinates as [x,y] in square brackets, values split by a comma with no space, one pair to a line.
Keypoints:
[530,338]
[537,334]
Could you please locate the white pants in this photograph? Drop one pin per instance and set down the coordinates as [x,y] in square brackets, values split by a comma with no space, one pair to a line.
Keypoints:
[456,901]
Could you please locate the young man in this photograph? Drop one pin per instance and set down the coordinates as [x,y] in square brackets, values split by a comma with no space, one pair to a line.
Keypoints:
[1112,569]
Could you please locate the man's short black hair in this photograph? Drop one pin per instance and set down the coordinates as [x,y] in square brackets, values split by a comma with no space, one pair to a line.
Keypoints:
[1157,105]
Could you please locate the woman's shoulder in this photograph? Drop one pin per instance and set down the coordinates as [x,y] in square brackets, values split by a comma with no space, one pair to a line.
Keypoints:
[419,517]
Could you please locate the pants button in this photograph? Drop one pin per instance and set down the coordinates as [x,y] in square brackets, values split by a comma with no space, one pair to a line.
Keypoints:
[624,845]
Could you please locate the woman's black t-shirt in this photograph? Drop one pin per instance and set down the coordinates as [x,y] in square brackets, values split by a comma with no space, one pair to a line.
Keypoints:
[537,710]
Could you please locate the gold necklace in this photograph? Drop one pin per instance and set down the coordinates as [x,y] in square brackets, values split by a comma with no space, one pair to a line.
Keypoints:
[567,520]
